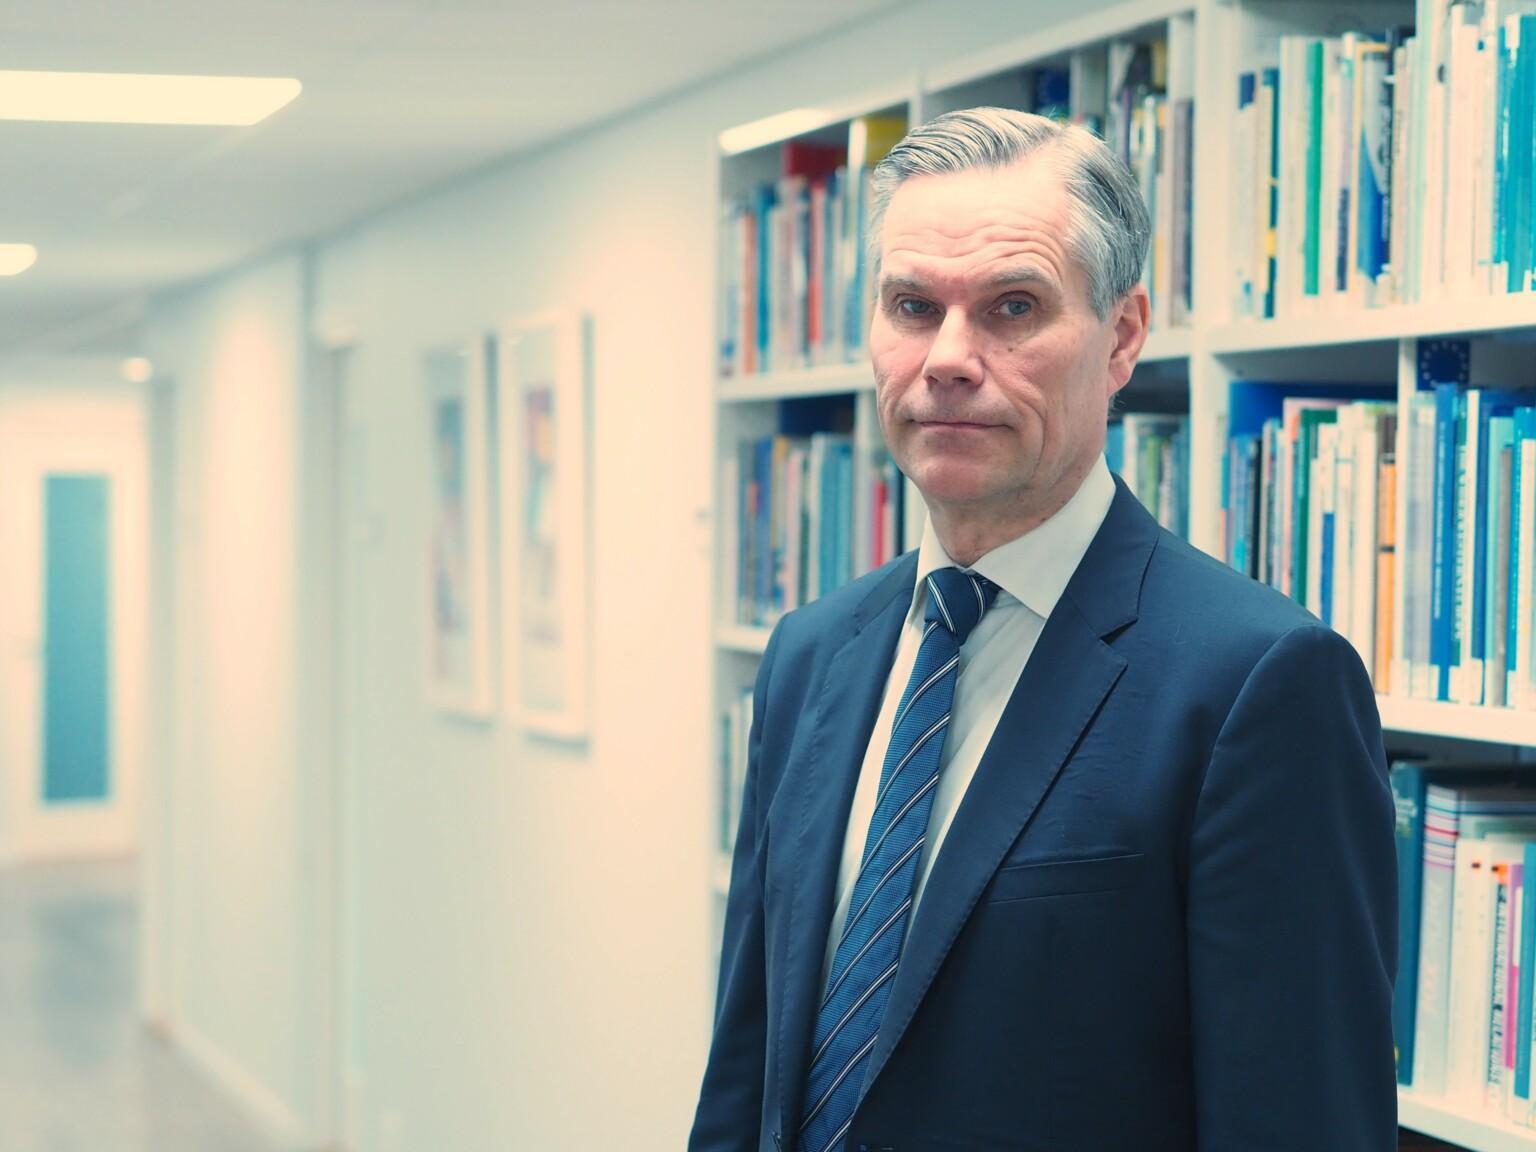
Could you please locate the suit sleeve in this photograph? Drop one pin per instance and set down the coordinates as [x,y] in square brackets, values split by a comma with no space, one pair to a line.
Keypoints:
[730,1109]
[1292,912]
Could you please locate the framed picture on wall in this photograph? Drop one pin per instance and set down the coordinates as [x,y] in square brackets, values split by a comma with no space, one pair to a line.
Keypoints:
[459,646]
[542,396]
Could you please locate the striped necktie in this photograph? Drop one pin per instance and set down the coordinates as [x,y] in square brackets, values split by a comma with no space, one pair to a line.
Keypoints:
[869,950]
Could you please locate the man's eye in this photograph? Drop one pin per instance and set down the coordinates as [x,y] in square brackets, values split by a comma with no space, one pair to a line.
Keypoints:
[1016,308]
[910,307]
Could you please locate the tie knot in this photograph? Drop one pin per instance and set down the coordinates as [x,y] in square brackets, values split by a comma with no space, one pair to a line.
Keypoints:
[957,599]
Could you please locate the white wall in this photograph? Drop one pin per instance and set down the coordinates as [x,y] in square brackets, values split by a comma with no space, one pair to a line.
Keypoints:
[528,952]
[232,844]
[69,416]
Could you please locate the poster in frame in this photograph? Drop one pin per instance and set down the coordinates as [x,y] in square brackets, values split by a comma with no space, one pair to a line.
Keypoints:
[459,646]
[542,399]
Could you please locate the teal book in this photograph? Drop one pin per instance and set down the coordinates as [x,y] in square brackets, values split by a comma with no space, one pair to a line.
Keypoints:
[1314,175]
[1527,984]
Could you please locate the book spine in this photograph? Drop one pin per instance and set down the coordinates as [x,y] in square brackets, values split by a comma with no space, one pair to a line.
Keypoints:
[1408,802]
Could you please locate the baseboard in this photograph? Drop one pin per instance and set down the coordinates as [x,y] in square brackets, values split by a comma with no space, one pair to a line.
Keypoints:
[275,1119]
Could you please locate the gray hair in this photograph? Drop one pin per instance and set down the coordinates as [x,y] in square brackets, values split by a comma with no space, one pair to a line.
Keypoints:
[1107,222]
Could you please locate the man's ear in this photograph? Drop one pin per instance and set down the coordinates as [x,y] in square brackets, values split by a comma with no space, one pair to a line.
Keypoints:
[1131,314]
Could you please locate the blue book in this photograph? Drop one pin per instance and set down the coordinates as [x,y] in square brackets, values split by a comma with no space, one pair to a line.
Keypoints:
[1442,596]
[1325,583]
[1374,133]
[767,196]
[1270,78]
[1492,404]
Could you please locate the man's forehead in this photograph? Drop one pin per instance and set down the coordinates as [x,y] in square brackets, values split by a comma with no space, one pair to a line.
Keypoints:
[1034,182]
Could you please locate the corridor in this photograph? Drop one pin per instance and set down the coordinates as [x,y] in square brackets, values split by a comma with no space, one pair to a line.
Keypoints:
[79,1072]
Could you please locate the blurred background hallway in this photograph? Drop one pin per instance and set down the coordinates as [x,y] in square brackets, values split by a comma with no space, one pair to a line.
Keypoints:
[78,1069]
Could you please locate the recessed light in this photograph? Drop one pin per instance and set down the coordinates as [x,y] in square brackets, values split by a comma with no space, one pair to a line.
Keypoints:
[16,258]
[137,370]
[124,98]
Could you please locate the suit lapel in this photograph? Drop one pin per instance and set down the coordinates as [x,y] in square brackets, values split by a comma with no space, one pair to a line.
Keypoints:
[1068,677]
[819,794]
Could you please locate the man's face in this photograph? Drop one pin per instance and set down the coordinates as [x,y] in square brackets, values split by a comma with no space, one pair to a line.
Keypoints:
[993,373]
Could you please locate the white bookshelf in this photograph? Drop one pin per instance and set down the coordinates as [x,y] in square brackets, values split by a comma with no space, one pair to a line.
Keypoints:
[1458,721]
[1436,1117]
[742,638]
[1468,316]
[1209,42]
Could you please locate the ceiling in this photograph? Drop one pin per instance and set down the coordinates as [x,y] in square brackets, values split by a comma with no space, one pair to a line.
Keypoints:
[399,95]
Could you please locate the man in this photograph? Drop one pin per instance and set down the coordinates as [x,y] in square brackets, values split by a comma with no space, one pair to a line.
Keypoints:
[1057,835]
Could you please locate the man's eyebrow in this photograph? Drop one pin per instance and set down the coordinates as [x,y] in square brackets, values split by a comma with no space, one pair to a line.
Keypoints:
[1018,276]
[902,284]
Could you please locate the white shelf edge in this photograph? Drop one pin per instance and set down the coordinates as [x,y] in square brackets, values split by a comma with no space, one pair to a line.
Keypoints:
[1458,721]
[810,120]
[742,638]
[1167,344]
[1475,314]
[720,873]
[827,380]
[1435,1117]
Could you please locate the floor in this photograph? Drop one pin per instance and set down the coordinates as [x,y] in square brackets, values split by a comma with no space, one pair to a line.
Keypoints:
[78,1070]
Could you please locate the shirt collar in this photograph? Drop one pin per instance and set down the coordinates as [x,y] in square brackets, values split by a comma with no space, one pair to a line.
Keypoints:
[1035,567]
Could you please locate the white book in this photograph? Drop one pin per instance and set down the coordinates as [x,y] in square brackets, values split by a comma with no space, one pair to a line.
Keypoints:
[1244,194]
[1366,532]
[1400,259]
[1472,920]
[1416,564]
[1462,138]
[1294,127]
[1522,693]
[1432,169]
[729,518]
[1264,102]
[1496,582]
[1331,183]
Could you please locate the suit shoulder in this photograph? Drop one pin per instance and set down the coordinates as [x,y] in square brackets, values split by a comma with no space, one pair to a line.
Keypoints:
[824,615]
[1186,582]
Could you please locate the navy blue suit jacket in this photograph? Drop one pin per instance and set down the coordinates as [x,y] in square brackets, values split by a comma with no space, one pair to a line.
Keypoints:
[1164,917]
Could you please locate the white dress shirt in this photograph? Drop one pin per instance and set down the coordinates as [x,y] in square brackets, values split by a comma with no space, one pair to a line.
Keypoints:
[1031,573]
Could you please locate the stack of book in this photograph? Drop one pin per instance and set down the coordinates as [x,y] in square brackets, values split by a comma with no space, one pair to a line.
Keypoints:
[1154,135]
[1380,168]
[1418,543]
[1464,1003]
[811,515]
[1151,454]
[1309,510]
[793,256]
[1469,546]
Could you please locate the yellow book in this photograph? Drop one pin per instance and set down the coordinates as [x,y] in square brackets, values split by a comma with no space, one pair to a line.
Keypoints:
[871,137]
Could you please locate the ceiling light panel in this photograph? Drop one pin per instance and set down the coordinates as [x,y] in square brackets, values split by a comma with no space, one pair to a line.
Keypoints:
[16,258]
[125,98]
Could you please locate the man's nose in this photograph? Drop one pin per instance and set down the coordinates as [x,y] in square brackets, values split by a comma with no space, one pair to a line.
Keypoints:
[953,358]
